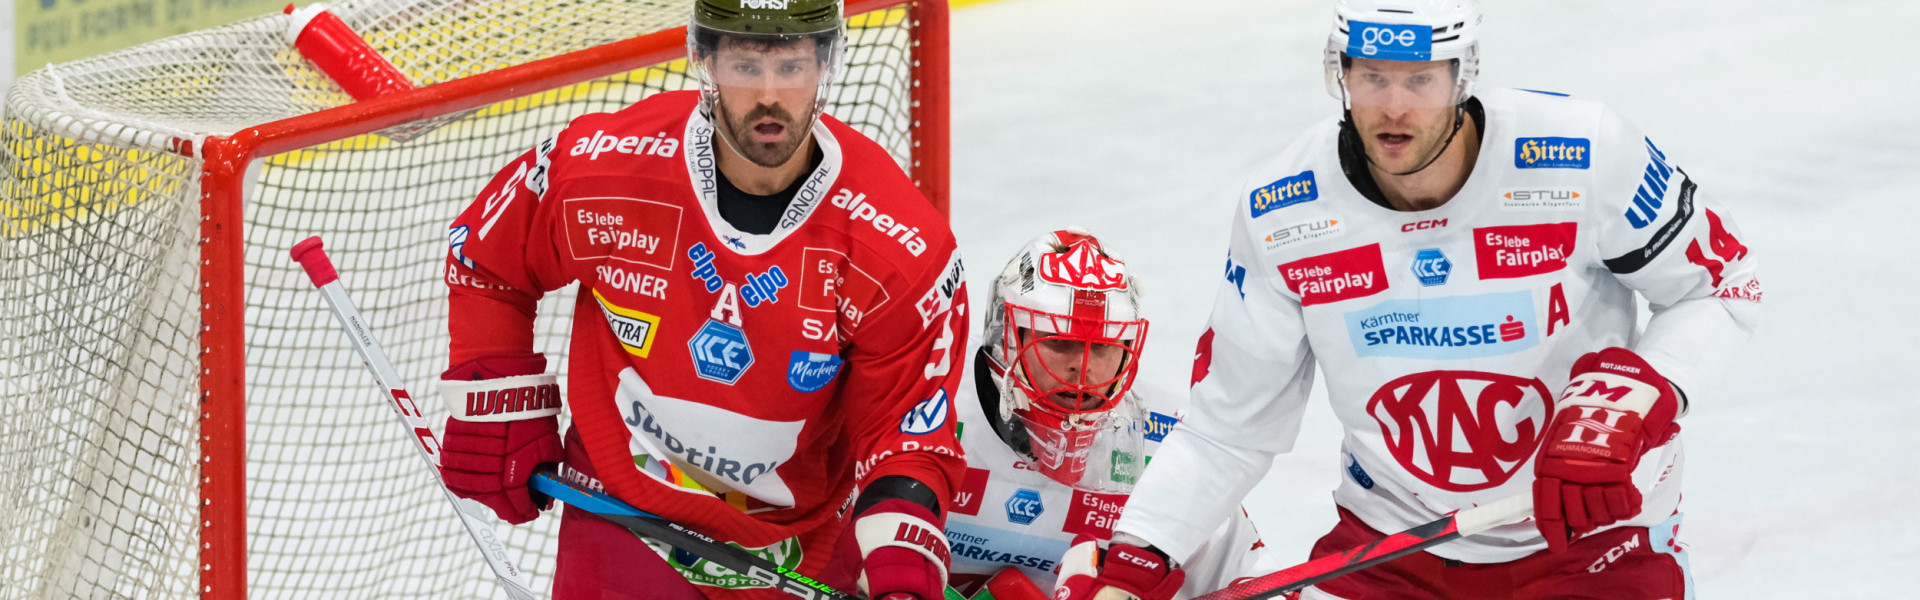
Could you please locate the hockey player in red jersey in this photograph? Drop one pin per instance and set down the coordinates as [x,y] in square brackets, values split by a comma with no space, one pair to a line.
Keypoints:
[764,299]
[1463,267]
[1056,428]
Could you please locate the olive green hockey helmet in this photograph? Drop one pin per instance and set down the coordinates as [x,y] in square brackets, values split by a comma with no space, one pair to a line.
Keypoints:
[768,17]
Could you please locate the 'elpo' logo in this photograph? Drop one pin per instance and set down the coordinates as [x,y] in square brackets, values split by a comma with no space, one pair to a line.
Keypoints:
[1461,431]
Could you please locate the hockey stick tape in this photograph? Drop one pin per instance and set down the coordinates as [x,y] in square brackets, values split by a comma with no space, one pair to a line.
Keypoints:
[314,261]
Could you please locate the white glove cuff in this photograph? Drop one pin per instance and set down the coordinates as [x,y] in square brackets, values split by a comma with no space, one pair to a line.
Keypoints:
[884,528]
[504,399]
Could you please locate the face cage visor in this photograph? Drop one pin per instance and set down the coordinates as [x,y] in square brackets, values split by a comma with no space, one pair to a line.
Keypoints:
[1407,79]
[763,76]
[1070,366]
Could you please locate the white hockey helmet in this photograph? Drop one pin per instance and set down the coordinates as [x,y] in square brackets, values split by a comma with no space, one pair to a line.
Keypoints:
[1064,286]
[1405,30]
[1064,334]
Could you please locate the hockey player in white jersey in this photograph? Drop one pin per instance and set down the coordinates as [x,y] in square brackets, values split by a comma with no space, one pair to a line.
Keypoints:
[1056,428]
[1462,266]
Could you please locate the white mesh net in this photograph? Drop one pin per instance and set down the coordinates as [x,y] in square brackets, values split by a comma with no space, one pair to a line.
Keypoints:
[100,309]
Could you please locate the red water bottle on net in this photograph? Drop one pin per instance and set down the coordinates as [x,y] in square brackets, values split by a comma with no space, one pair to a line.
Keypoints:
[340,53]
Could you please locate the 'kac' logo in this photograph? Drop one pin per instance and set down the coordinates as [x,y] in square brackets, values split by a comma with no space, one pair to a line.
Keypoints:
[1389,42]
[1461,431]
[1286,192]
[1552,153]
[926,416]
[1083,266]
[807,372]
[1431,267]
[720,352]
[1024,507]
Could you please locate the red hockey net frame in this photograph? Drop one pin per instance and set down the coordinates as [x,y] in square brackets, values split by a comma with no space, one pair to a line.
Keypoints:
[223,488]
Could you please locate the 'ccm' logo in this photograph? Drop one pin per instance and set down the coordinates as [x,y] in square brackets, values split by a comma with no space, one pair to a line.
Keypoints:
[1423,225]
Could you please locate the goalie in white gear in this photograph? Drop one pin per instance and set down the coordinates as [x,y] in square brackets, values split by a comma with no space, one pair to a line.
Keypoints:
[1056,428]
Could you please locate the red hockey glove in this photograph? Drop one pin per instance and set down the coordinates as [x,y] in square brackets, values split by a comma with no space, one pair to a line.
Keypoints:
[903,552]
[504,426]
[1613,411]
[1121,571]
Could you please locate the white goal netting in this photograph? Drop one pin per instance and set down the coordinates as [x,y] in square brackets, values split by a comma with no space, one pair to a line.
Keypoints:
[100,303]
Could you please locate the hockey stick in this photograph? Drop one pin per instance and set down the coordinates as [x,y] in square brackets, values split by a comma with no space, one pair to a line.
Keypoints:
[647,524]
[1459,524]
[472,514]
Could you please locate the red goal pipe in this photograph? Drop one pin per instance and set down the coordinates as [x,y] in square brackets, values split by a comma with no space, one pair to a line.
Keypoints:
[930,110]
[223,368]
[223,512]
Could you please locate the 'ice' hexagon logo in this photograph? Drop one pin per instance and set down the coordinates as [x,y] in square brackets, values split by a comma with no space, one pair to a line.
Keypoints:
[720,352]
[1432,267]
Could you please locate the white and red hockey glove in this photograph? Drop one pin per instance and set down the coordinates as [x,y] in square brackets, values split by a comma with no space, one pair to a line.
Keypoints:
[1614,410]
[504,425]
[1118,572]
[903,552]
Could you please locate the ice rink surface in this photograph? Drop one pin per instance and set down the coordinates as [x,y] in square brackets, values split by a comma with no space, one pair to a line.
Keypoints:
[1138,119]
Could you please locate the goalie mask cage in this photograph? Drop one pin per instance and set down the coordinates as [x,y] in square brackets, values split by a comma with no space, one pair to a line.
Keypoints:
[183,416]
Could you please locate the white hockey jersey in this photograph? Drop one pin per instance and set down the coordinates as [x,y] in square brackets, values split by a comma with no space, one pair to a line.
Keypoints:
[1446,335]
[1005,514]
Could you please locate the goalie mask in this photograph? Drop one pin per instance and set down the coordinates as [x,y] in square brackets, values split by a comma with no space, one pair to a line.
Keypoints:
[1065,335]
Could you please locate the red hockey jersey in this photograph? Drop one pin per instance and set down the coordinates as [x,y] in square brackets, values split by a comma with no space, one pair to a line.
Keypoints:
[736,383]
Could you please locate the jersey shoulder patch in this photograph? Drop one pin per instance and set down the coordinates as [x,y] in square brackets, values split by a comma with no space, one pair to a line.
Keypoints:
[648,130]
[1296,176]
